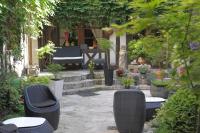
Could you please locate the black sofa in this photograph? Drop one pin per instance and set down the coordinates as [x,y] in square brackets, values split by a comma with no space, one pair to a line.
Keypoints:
[40,102]
[68,55]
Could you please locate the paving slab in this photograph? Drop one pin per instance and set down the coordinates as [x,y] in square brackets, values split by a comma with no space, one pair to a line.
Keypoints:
[89,113]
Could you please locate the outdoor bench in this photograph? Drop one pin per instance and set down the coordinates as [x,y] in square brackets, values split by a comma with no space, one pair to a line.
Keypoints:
[68,55]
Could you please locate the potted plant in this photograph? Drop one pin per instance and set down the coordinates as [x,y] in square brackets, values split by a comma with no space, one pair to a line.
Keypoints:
[56,84]
[127,82]
[91,69]
[45,52]
[105,45]
[159,88]
[120,72]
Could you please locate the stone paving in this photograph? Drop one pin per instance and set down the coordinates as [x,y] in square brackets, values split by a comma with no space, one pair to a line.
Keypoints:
[90,112]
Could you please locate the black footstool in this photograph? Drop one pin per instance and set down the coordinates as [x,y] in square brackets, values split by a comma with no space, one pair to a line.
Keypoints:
[31,125]
[152,103]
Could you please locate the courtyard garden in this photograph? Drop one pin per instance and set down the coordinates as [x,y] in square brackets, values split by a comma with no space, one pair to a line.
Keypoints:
[152,86]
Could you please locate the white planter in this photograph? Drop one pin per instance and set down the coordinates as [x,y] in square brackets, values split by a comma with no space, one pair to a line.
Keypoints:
[56,87]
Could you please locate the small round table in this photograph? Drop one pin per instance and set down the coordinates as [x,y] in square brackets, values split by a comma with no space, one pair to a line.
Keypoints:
[31,124]
[152,103]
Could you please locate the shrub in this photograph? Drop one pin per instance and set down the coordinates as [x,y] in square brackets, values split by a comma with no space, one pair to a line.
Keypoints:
[33,80]
[54,68]
[178,115]
[127,81]
[160,83]
[9,93]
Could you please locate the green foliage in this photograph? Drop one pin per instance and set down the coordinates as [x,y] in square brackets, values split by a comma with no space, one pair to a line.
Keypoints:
[143,69]
[98,13]
[46,50]
[33,80]
[175,24]
[19,113]
[127,81]
[20,17]
[10,93]
[160,83]
[105,45]
[54,68]
[91,67]
[178,115]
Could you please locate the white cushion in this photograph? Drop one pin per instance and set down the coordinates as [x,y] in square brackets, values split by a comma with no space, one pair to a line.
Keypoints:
[25,121]
[67,58]
[154,99]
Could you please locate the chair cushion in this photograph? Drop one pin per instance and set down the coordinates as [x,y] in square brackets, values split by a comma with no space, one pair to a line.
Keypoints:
[46,103]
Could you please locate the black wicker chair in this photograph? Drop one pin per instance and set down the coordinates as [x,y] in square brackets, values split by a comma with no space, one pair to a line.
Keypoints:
[129,110]
[40,102]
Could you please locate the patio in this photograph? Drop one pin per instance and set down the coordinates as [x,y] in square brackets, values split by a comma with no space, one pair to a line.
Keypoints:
[90,112]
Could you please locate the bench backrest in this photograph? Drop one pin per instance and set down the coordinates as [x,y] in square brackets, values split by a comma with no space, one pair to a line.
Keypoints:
[71,51]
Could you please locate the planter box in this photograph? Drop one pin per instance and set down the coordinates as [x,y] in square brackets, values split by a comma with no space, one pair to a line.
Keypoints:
[159,91]
[56,87]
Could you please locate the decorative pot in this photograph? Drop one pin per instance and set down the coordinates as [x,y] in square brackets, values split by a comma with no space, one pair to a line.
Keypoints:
[56,87]
[129,110]
[159,91]
[108,73]
[90,76]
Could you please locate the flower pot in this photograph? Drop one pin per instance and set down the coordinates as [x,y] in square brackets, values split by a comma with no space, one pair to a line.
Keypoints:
[56,87]
[108,73]
[159,91]
[90,76]
[127,87]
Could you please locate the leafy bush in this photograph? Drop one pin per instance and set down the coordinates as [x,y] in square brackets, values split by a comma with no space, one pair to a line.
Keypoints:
[179,113]
[91,67]
[9,93]
[160,83]
[32,80]
[143,69]
[54,68]
[127,81]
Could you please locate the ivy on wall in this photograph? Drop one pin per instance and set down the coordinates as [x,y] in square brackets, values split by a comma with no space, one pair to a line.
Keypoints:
[97,13]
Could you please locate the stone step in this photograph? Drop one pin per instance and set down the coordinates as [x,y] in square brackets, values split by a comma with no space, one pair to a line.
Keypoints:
[75,78]
[78,84]
[93,88]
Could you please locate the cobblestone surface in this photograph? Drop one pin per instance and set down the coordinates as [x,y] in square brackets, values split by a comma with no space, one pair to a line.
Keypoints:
[90,113]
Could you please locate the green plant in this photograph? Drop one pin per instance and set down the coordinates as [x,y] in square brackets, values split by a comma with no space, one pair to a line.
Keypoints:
[143,69]
[54,68]
[33,80]
[98,13]
[160,83]
[127,81]
[105,45]
[9,93]
[46,51]
[91,67]
[178,115]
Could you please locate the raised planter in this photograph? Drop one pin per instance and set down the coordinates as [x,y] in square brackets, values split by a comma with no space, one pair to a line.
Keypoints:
[56,87]
[129,110]
[108,73]
[159,91]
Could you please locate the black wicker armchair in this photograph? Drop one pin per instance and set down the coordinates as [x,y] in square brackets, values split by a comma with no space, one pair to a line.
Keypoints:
[129,110]
[40,102]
